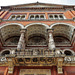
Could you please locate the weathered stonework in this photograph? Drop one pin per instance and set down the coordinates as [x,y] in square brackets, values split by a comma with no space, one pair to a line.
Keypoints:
[37,39]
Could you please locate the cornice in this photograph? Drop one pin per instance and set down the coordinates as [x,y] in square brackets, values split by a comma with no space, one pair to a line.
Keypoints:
[41,20]
[46,5]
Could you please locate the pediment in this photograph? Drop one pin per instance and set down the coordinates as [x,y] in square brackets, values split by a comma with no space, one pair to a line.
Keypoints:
[35,5]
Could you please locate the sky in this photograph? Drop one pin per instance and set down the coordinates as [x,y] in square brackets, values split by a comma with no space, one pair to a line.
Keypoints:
[16,2]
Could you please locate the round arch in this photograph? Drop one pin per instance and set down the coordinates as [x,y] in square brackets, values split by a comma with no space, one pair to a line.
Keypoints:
[65,29]
[9,30]
[37,24]
[68,50]
[3,25]
[73,27]
[5,50]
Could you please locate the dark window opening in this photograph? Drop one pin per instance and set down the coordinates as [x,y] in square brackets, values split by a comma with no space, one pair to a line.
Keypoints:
[12,40]
[42,59]
[51,16]
[22,17]
[68,53]
[56,16]
[37,40]
[20,60]
[36,17]
[34,59]
[18,17]
[61,16]
[5,53]
[32,17]
[61,39]
[27,59]
[41,17]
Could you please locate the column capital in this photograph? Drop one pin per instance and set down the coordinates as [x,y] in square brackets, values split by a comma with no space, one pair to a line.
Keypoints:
[23,30]
[50,30]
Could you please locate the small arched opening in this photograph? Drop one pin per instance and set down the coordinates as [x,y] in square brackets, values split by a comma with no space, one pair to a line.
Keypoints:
[61,17]
[18,17]
[68,53]
[5,53]
[51,16]
[32,17]
[42,17]
[13,17]
[23,17]
[37,17]
[56,17]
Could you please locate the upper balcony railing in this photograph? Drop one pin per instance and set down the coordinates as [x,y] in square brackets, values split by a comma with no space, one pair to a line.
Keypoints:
[35,53]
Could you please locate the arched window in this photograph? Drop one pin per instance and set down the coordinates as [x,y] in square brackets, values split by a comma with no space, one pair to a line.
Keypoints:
[56,17]
[37,40]
[51,16]
[42,17]
[18,17]
[61,39]
[13,17]
[23,17]
[12,40]
[37,17]
[32,17]
[61,17]
[68,53]
[5,52]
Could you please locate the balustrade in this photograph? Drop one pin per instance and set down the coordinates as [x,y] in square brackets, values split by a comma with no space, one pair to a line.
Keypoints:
[35,52]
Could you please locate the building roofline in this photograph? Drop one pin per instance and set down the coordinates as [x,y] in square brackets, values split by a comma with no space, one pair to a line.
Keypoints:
[37,3]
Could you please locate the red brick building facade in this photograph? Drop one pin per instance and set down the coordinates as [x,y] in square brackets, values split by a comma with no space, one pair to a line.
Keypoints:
[37,39]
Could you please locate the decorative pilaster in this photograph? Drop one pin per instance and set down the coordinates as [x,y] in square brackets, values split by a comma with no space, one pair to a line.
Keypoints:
[51,44]
[59,65]
[10,66]
[21,43]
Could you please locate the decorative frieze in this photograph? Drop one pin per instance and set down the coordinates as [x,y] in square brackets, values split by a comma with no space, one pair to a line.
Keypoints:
[35,61]
[3,59]
[35,72]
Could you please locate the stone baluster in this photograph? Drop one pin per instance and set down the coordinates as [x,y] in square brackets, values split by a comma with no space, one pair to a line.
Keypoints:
[21,43]
[51,44]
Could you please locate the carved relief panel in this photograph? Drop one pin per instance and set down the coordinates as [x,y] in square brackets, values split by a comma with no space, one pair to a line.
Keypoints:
[35,72]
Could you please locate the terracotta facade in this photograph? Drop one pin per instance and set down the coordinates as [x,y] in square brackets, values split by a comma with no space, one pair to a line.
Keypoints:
[37,39]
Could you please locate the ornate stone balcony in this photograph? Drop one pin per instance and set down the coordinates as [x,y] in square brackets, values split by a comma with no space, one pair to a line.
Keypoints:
[35,53]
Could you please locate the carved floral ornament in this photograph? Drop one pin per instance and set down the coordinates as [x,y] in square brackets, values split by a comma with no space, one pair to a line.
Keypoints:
[69,59]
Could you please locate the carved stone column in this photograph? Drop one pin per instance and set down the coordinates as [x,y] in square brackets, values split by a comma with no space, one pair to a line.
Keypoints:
[51,44]
[21,43]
